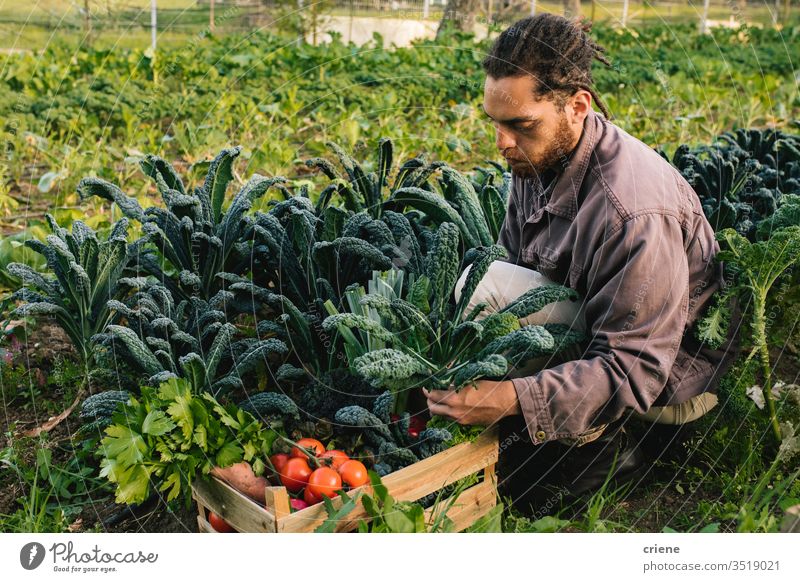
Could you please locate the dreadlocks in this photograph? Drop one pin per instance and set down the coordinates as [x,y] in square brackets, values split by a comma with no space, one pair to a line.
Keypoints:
[555,50]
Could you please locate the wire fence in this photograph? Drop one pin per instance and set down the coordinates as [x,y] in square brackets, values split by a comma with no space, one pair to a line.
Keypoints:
[130,16]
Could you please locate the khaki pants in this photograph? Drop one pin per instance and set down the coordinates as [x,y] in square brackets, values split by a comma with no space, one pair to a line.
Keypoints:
[505,281]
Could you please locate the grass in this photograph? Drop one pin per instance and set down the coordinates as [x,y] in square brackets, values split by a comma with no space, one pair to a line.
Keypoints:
[667,506]
[726,478]
[54,492]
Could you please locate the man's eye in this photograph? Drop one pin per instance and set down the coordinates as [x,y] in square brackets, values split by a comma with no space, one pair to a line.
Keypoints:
[527,128]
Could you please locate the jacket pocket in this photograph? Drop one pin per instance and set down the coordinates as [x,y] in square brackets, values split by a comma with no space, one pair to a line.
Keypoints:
[686,367]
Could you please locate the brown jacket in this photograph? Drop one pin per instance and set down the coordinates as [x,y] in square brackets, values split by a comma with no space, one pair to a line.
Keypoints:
[625,230]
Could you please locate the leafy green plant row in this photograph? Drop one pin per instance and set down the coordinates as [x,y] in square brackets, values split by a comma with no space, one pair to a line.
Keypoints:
[215,293]
[67,117]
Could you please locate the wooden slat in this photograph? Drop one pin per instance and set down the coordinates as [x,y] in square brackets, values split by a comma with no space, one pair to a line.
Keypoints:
[277,499]
[470,506]
[201,509]
[240,511]
[431,474]
[204,526]
[309,519]
[410,483]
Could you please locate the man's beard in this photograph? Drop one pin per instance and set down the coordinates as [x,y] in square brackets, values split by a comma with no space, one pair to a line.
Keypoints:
[554,158]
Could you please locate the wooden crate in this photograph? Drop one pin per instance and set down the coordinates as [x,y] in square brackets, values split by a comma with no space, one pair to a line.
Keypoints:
[408,484]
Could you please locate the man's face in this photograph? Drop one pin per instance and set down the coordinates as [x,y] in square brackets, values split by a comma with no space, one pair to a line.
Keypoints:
[532,134]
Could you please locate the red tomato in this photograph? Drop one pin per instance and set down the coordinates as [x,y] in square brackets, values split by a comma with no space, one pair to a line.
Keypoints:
[417,424]
[295,474]
[324,481]
[337,458]
[354,473]
[313,446]
[279,461]
[219,524]
[310,498]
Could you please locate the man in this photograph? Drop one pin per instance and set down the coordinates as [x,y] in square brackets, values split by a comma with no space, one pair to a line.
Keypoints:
[595,209]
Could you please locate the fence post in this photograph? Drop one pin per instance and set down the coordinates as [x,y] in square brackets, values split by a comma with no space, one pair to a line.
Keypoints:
[624,13]
[426,8]
[153,24]
[87,18]
[350,25]
[211,15]
[704,18]
[533,7]
[302,36]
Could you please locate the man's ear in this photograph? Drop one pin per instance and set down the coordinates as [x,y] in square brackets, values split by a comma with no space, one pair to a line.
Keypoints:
[579,106]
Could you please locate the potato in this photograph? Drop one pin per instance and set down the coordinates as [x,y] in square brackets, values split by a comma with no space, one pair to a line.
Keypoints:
[240,476]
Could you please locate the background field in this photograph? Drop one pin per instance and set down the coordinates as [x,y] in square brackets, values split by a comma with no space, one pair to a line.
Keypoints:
[127,23]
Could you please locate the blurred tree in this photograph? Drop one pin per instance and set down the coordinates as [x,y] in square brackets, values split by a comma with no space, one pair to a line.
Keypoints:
[459,14]
[572,8]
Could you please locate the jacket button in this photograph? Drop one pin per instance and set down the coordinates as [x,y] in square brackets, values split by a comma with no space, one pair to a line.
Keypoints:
[540,435]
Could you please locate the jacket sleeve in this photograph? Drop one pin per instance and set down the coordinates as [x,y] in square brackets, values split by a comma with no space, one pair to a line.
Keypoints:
[636,307]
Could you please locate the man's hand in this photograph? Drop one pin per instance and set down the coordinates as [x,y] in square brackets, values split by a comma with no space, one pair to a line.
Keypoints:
[483,403]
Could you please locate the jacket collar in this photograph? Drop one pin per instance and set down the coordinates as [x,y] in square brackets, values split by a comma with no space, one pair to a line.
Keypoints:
[563,200]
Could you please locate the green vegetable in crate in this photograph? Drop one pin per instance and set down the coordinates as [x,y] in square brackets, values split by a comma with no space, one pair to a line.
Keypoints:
[169,436]
[459,433]
[375,430]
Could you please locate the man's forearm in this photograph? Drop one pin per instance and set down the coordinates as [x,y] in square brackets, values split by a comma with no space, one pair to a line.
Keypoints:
[484,404]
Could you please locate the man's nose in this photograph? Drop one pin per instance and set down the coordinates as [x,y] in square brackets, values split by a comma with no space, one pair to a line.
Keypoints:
[503,139]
